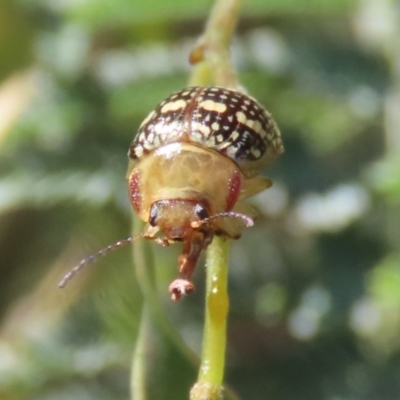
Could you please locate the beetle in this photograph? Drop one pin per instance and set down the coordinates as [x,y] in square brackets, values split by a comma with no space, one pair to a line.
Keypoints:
[194,160]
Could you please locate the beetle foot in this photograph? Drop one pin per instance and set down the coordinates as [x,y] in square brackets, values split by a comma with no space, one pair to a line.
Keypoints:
[179,288]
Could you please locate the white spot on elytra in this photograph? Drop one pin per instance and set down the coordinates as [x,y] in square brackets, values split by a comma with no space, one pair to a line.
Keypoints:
[173,105]
[256,153]
[158,128]
[215,126]
[250,123]
[211,105]
[157,141]
[241,117]
[196,136]
[147,145]
[199,127]
[138,151]
[234,135]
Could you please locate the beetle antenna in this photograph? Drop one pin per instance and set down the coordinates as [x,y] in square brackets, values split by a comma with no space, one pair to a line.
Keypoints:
[94,257]
[229,214]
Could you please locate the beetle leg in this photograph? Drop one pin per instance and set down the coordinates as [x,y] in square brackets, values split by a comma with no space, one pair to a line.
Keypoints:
[255,185]
[162,241]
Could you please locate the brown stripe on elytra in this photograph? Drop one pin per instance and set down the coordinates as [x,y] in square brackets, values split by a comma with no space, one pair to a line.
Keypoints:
[191,106]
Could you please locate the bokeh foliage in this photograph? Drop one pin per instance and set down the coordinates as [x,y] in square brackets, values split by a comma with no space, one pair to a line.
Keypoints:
[315,306]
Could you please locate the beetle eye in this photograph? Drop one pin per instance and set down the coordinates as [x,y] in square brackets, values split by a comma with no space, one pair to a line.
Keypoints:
[201,212]
[153,215]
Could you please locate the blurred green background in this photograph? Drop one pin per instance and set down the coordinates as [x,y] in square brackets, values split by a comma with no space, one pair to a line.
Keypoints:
[315,285]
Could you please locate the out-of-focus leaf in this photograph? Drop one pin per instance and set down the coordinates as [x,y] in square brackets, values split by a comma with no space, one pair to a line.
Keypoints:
[384,177]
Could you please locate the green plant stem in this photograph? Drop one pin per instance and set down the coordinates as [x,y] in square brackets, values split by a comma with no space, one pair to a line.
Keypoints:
[217,306]
[213,47]
[212,53]
[139,364]
[211,374]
